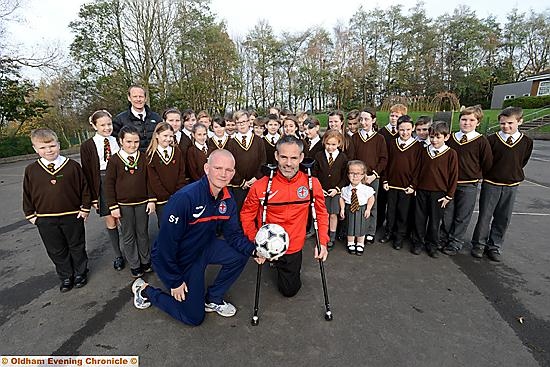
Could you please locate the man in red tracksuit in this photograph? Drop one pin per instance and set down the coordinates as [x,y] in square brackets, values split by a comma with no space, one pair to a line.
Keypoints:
[287,205]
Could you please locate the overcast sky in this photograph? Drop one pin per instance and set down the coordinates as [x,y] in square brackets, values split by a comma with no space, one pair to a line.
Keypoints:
[44,23]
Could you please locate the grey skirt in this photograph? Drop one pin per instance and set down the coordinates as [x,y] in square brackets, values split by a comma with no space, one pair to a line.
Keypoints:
[333,204]
[357,223]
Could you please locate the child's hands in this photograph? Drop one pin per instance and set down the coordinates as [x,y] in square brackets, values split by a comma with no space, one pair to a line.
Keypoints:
[386,186]
[83,215]
[370,179]
[332,192]
[150,208]
[367,213]
[116,213]
[96,206]
[409,190]
[325,193]
[444,201]
[342,216]
[32,220]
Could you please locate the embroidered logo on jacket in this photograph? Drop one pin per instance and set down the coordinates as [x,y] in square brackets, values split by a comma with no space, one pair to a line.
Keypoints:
[223,207]
[302,192]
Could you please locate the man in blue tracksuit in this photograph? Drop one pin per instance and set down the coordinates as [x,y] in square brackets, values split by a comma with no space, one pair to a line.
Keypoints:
[186,244]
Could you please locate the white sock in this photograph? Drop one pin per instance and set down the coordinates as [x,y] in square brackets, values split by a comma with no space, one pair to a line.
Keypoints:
[351,244]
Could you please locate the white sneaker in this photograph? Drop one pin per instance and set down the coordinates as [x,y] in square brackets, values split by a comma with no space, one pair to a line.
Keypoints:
[139,301]
[226,309]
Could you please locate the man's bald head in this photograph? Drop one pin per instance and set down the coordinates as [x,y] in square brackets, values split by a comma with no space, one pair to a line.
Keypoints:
[220,169]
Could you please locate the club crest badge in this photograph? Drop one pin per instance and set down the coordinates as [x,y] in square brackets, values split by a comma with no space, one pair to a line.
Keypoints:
[302,192]
[222,208]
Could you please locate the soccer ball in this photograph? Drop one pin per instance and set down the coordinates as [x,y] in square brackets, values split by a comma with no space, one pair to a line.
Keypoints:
[271,241]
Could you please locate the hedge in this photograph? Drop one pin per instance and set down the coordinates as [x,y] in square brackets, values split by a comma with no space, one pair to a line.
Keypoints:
[528,102]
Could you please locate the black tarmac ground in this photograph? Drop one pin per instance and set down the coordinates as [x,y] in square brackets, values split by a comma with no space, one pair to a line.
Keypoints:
[391,308]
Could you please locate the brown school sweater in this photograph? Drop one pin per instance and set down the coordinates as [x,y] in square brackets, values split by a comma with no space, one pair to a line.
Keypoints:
[214,143]
[333,177]
[388,137]
[90,167]
[47,194]
[474,158]
[403,165]
[195,162]
[439,173]
[508,160]
[310,152]
[248,160]
[185,143]
[166,176]
[125,185]
[269,151]
[372,151]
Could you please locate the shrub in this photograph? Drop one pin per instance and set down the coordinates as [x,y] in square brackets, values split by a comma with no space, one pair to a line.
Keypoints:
[528,102]
[15,145]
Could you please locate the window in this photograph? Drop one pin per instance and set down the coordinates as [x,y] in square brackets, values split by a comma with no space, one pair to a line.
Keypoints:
[544,88]
[509,96]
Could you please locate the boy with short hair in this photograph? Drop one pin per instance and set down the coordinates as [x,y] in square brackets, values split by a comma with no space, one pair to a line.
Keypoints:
[436,188]
[474,159]
[271,137]
[57,200]
[259,126]
[400,179]
[422,130]
[511,151]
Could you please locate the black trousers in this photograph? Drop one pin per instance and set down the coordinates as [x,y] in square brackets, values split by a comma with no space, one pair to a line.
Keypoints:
[65,241]
[288,274]
[381,203]
[398,213]
[428,215]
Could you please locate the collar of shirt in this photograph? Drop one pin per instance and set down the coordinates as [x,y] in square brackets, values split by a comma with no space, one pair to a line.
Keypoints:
[199,145]
[248,135]
[349,133]
[314,141]
[276,136]
[57,162]
[334,154]
[515,136]
[407,143]
[125,155]
[426,142]
[137,113]
[471,135]
[161,150]
[366,134]
[441,149]
[177,136]
[389,126]
[188,133]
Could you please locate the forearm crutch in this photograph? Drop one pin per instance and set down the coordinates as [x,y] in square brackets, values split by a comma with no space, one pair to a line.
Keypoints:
[269,170]
[307,164]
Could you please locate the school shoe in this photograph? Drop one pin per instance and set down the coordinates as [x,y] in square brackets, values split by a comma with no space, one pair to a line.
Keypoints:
[432,251]
[397,245]
[80,281]
[386,238]
[351,249]
[137,272]
[416,249]
[146,268]
[369,239]
[225,309]
[359,249]
[477,251]
[66,285]
[494,255]
[449,251]
[118,263]
[310,233]
[330,245]
[139,301]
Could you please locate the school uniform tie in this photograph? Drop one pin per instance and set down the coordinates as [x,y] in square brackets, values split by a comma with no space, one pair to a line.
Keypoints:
[272,140]
[436,152]
[166,156]
[510,140]
[354,201]
[106,150]
[140,115]
[51,167]
[393,130]
[464,139]
[131,160]
[402,145]
[219,143]
[243,141]
[330,160]
[204,150]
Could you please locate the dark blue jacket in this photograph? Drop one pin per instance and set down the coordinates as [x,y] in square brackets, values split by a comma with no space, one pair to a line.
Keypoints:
[189,222]
[146,128]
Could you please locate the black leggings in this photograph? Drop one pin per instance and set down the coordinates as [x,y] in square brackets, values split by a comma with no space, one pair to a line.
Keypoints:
[288,274]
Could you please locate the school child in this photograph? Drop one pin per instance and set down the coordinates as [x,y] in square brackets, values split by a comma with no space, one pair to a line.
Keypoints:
[189,120]
[249,153]
[399,181]
[57,200]
[173,117]
[203,117]
[370,147]
[259,127]
[271,138]
[312,143]
[230,126]
[474,159]
[165,166]
[511,151]
[356,203]
[130,200]
[252,116]
[330,169]
[389,132]
[290,126]
[336,122]
[301,118]
[94,156]
[353,122]
[436,187]
[220,138]
[422,130]
[198,153]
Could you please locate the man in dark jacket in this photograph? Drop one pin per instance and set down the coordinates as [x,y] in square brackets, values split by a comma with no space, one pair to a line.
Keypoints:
[138,115]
